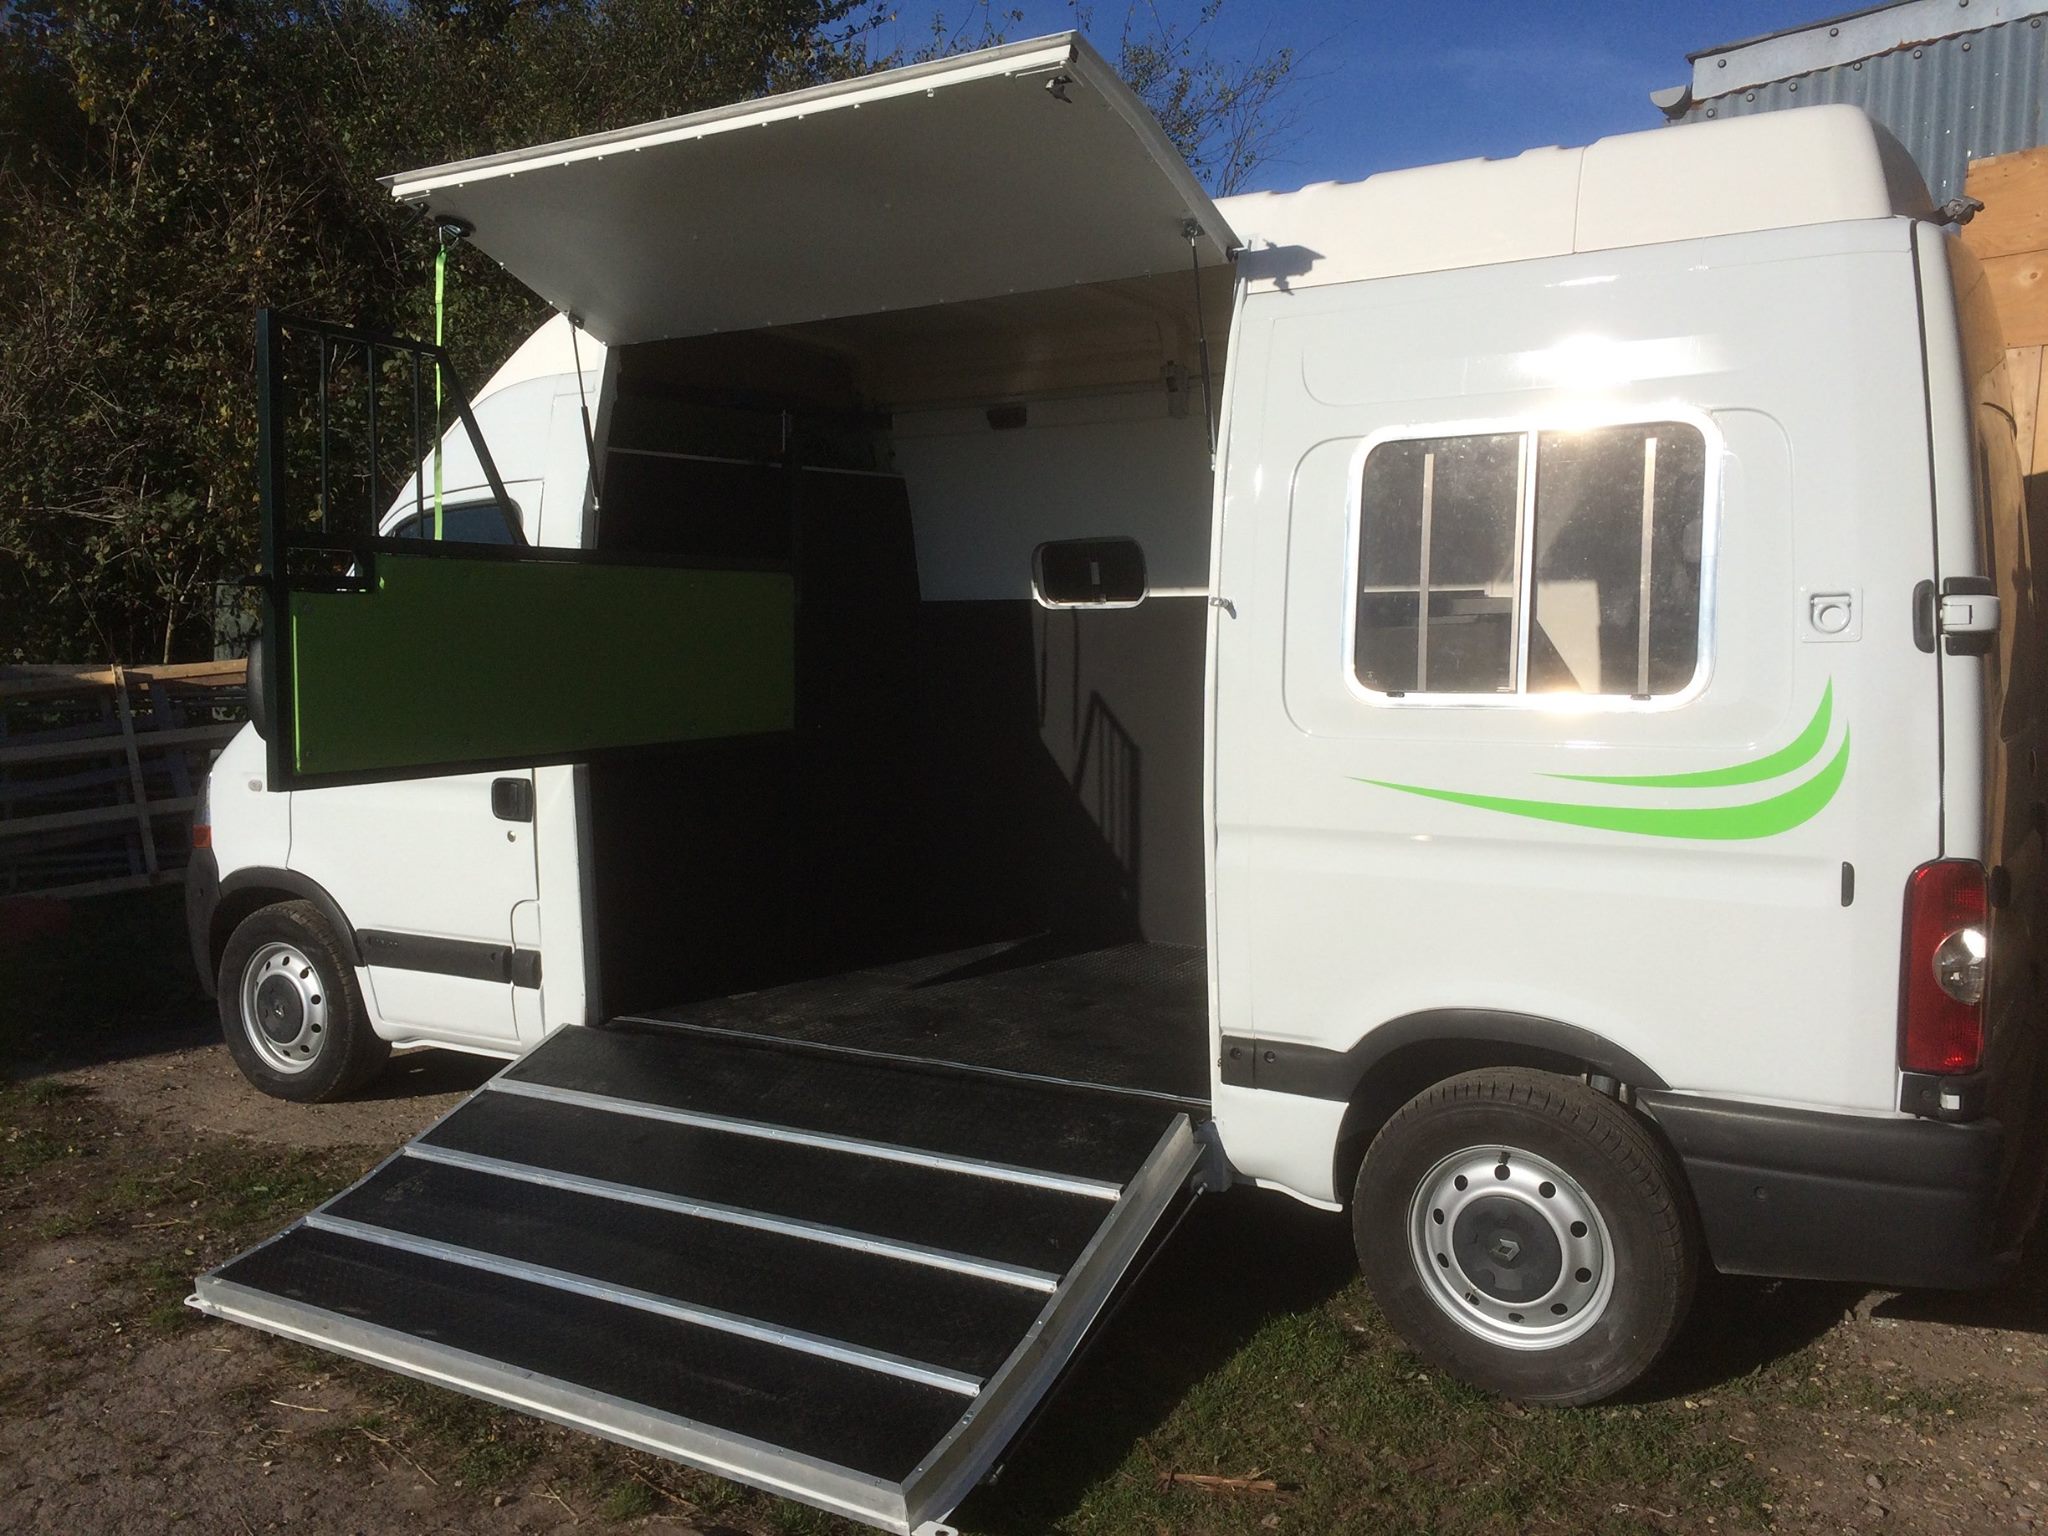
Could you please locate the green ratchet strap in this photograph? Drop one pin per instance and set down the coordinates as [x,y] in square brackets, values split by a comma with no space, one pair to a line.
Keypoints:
[440,333]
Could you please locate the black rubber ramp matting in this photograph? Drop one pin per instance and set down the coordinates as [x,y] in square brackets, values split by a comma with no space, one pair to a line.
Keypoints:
[844,1278]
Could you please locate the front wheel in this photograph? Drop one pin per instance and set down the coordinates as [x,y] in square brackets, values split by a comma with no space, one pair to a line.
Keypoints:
[1528,1235]
[290,1010]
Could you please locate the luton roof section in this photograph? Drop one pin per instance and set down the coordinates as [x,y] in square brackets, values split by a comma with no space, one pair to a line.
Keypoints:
[1013,170]
[1820,166]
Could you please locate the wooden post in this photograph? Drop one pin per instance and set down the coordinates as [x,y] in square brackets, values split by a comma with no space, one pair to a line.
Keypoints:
[137,787]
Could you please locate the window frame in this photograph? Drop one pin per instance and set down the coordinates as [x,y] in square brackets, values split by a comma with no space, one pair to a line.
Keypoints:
[508,508]
[1056,605]
[1531,426]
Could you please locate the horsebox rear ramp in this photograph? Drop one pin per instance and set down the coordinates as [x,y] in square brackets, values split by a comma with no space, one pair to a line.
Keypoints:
[847,1281]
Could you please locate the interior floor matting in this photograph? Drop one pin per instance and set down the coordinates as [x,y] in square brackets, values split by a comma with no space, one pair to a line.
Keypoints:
[1131,1017]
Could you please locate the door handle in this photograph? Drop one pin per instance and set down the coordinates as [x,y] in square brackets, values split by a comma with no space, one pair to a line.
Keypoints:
[512,799]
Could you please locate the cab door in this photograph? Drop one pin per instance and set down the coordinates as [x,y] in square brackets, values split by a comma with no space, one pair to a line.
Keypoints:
[434,872]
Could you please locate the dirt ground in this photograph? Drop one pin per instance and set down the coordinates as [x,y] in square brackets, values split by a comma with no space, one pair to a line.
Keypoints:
[1251,1352]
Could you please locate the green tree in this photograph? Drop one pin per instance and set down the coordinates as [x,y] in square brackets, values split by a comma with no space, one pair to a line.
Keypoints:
[166,166]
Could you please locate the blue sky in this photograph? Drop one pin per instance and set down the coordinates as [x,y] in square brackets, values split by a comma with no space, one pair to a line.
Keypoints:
[1394,84]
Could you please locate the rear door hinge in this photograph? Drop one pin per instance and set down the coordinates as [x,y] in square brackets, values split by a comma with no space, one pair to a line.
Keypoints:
[1965,615]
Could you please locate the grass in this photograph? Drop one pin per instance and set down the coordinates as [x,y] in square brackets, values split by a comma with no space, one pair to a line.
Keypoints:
[32,1132]
[1263,1356]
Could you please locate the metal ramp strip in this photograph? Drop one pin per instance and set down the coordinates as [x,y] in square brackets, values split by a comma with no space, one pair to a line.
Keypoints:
[775,1469]
[963,1457]
[1100,1189]
[836,1237]
[645,1301]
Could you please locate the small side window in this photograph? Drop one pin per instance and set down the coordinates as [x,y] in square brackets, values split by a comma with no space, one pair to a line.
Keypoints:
[1439,518]
[1619,513]
[1089,573]
[1505,564]
[469,522]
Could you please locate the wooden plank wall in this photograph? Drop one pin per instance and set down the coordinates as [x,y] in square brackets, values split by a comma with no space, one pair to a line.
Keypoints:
[100,768]
[2010,237]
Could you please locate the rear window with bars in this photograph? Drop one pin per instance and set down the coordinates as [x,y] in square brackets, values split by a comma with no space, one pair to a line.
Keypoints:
[1533,562]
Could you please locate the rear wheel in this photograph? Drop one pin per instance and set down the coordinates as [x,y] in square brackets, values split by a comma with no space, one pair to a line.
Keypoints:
[1528,1235]
[290,1010]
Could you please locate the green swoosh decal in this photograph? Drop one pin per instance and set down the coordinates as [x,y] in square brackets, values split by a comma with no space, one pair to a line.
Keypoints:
[1804,748]
[1728,823]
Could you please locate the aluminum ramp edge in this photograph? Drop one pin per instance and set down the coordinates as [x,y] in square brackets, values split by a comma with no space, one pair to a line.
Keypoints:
[783,1472]
[1007,1399]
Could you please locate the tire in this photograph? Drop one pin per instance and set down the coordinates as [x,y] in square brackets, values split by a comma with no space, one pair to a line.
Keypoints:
[1557,1276]
[290,1010]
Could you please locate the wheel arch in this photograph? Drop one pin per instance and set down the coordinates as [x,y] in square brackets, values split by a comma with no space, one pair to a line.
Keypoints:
[249,890]
[1404,1056]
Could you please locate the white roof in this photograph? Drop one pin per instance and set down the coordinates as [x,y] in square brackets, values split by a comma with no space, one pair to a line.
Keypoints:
[1011,170]
[1774,170]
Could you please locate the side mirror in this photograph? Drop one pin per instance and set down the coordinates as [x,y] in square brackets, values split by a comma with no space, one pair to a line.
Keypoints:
[1089,573]
[259,682]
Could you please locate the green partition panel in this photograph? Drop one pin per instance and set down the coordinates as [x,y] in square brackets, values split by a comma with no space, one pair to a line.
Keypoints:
[450,662]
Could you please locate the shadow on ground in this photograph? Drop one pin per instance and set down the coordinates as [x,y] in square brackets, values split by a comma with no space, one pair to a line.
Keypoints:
[421,1074]
[1740,1323]
[1238,1260]
[2021,1304]
[111,979]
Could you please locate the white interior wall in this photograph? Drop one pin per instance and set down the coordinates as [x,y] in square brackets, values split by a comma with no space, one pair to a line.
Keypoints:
[982,500]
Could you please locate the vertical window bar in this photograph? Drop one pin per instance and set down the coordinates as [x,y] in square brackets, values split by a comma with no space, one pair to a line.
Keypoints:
[324,503]
[370,373]
[1525,560]
[1643,574]
[419,474]
[1422,574]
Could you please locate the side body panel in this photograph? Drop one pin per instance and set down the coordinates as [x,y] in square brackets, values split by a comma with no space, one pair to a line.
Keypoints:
[1739,936]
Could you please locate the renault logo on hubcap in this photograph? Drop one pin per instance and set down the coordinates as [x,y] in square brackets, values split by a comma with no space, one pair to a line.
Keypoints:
[1506,1249]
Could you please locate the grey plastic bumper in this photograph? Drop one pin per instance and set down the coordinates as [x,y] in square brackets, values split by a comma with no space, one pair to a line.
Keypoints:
[1809,1195]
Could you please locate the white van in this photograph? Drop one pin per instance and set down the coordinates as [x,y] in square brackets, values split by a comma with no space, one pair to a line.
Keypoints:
[991,693]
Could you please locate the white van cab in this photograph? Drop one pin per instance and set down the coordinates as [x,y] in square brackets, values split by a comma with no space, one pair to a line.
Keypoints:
[951,711]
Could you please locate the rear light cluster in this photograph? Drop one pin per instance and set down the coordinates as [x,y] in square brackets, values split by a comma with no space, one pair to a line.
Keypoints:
[202,815]
[1947,968]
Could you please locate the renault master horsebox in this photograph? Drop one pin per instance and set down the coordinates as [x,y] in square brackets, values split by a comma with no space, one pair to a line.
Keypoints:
[963,693]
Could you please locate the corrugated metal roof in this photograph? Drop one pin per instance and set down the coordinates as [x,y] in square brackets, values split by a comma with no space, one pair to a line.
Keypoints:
[1949,101]
[1834,40]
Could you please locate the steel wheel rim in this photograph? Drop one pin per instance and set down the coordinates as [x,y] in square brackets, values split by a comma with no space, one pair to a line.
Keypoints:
[1480,1233]
[284,1007]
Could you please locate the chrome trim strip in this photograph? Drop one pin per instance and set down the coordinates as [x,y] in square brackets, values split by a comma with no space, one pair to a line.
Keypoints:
[645,1301]
[1072,1184]
[779,1471]
[959,1461]
[788,1226]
